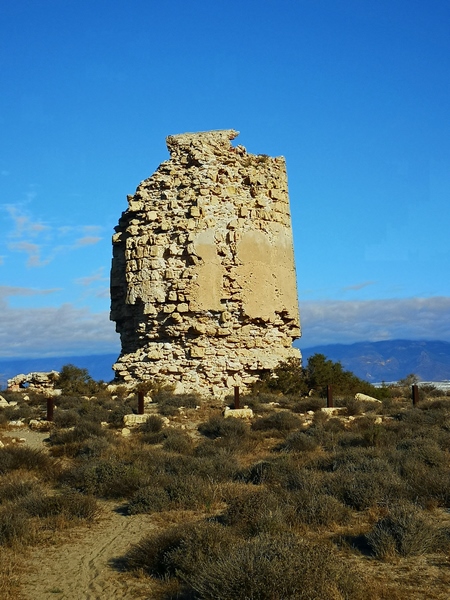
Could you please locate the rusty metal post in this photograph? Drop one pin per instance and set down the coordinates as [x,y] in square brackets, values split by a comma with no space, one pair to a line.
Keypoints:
[236,396]
[140,403]
[330,396]
[415,394]
[50,407]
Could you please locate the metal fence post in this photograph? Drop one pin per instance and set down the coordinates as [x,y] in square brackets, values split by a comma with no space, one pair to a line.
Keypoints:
[236,396]
[50,407]
[330,396]
[415,394]
[140,403]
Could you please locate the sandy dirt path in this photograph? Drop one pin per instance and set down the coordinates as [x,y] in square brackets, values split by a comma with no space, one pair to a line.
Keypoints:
[82,568]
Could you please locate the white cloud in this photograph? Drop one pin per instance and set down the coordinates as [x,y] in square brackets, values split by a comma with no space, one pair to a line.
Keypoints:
[55,331]
[332,322]
[94,278]
[33,251]
[87,240]
[42,242]
[23,224]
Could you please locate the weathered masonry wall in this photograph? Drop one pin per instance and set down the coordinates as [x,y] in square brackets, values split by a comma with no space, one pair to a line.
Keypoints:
[203,286]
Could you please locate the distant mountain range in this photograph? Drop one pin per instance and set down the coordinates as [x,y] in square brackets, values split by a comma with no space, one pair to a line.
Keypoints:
[98,365]
[389,360]
[373,361]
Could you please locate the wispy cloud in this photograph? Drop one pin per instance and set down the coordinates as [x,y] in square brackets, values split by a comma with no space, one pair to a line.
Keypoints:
[358,286]
[7,291]
[331,322]
[87,241]
[23,224]
[43,242]
[33,252]
[97,276]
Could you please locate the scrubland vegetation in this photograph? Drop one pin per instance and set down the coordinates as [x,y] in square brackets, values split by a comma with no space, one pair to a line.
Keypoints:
[295,504]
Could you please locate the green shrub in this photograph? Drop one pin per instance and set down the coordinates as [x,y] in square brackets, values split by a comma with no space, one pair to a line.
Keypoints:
[153,438]
[76,381]
[362,490]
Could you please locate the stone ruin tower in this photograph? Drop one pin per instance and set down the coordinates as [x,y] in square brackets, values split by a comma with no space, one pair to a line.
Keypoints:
[203,285]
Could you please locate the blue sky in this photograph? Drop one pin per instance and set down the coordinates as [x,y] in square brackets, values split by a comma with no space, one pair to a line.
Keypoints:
[355,95]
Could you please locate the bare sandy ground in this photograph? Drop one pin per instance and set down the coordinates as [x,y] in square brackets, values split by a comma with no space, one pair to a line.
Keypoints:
[85,566]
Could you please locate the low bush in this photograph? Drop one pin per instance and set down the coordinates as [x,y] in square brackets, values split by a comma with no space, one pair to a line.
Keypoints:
[282,422]
[147,500]
[315,508]
[403,531]
[70,505]
[23,457]
[79,433]
[286,567]
[153,424]
[15,527]
[178,441]
[220,427]
[299,441]
[66,418]
[13,487]
[169,403]
[105,478]
[258,511]
[307,404]
[180,550]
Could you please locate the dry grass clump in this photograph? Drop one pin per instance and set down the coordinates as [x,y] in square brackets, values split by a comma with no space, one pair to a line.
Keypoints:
[214,564]
[220,427]
[281,422]
[181,550]
[300,441]
[405,531]
[13,458]
[70,506]
[169,403]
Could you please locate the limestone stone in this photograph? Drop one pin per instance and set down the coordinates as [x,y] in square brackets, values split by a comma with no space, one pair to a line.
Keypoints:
[238,413]
[132,419]
[203,285]
[36,381]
